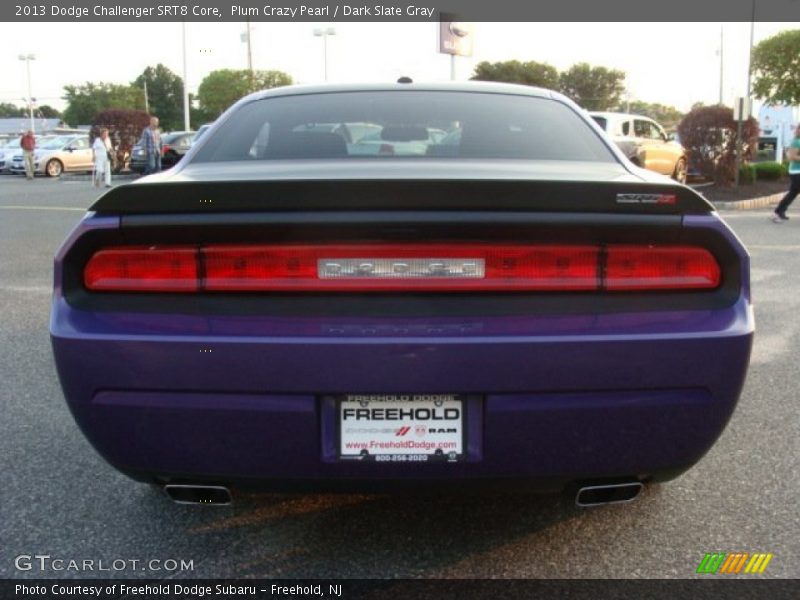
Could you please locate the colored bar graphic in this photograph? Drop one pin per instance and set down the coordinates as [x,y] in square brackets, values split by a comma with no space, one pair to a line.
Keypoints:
[734,562]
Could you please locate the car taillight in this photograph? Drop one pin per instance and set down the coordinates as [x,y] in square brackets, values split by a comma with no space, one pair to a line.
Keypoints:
[423,267]
[655,268]
[165,148]
[143,269]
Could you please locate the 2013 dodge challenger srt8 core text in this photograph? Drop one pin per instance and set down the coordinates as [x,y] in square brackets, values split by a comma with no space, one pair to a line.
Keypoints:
[394,285]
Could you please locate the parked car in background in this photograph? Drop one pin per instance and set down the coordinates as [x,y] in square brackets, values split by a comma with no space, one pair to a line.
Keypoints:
[693,173]
[523,306]
[201,131]
[57,155]
[174,146]
[408,140]
[7,152]
[645,143]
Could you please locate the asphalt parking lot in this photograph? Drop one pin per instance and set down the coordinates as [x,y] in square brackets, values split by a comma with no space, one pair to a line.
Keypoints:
[59,498]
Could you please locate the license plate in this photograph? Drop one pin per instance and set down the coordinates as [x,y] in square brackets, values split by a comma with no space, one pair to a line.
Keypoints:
[401,428]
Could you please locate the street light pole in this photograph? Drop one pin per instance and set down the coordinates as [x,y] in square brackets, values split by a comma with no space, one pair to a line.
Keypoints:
[186,126]
[721,60]
[28,58]
[246,38]
[750,56]
[324,33]
[747,98]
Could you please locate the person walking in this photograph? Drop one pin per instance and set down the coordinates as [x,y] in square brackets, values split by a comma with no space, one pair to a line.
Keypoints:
[151,144]
[28,144]
[102,158]
[793,154]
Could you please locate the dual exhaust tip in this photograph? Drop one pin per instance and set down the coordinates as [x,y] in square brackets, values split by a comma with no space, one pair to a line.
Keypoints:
[599,495]
[587,496]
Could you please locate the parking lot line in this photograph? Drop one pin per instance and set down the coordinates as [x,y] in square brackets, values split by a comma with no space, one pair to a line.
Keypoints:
[773,246]
[70,208]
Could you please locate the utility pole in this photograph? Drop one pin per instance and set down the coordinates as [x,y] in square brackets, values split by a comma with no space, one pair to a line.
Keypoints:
[146,99]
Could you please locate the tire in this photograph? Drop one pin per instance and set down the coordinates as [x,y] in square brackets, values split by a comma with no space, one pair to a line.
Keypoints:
[54,167]
[681,170]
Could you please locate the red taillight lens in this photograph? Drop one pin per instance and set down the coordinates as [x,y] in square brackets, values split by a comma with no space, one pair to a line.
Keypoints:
[143,269]
[369,267]
[660,268]
[164,149]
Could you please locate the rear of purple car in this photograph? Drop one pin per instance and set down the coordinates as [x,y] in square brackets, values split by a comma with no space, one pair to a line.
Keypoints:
[511,303]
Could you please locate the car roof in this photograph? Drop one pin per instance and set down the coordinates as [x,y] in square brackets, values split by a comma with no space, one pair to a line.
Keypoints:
[617,115]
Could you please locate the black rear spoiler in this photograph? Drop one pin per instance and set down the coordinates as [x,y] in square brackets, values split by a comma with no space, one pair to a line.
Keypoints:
[402,194]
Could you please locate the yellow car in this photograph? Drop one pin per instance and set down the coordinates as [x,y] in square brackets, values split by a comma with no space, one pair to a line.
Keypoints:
[645,143]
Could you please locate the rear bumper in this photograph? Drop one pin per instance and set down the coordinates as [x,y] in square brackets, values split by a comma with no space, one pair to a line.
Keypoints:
[233,399]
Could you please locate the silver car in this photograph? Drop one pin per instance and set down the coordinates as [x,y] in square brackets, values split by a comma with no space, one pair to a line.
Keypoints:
[58,155]
[7,153]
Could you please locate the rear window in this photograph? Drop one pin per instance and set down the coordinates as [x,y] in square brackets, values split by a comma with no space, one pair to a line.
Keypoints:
[414,124]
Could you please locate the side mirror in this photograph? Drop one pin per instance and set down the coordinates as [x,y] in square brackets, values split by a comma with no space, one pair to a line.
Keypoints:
[70,148]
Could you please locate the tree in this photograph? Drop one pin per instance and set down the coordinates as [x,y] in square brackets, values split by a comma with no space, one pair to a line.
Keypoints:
[709,135]
[667,116]
[593,88]
[9,111]
[165,95]
[513,71]
[45,111]
[222,88]
[124,129]
[776,63]
[85,101]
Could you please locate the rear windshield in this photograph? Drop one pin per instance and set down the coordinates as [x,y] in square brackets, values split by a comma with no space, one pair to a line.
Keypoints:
[404,124]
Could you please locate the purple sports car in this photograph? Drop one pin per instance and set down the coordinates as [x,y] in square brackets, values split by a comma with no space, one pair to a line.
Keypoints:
[482,291]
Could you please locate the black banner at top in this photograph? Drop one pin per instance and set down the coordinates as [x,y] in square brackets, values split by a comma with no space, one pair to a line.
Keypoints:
[398,10]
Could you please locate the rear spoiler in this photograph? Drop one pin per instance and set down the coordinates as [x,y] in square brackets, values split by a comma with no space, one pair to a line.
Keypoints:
[401,194]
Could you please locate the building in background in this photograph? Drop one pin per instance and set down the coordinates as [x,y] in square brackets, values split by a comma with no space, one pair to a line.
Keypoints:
[776,128]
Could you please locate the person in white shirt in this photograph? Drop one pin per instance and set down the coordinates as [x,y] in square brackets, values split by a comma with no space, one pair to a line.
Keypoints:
[101,153]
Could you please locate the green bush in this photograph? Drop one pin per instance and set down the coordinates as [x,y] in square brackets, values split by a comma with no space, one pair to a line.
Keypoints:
[769,171]
[747,174]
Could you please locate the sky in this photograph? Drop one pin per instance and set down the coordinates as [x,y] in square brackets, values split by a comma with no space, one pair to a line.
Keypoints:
[676,64]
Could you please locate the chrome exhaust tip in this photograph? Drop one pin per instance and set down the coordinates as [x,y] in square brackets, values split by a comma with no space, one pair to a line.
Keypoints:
[599,495]
[198,494]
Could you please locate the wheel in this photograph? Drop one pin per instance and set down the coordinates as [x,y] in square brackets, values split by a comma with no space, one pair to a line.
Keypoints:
[679,174]
[54,167]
